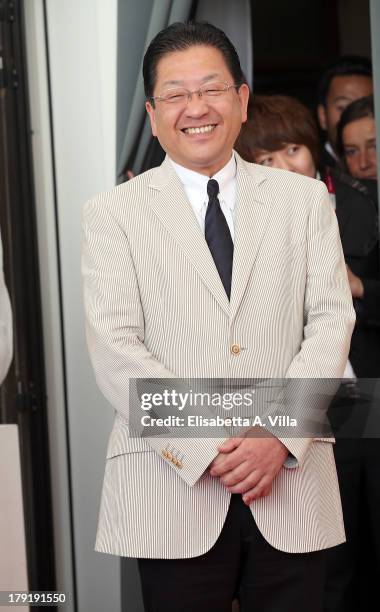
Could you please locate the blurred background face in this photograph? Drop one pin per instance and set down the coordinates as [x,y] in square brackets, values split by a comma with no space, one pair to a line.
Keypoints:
[359,145]
[293,157]
[342,91]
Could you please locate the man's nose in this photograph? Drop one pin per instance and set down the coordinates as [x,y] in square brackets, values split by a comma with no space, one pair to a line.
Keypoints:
[196,105]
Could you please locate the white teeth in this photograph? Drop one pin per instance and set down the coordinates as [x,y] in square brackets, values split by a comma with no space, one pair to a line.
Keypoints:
[200,130]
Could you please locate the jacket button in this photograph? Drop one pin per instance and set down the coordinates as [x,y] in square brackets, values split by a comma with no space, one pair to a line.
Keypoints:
[235,349]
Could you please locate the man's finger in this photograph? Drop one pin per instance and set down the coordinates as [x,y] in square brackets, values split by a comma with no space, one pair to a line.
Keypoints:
[261,490]
[247,484]
[229,445]
[226,463]
[240,473]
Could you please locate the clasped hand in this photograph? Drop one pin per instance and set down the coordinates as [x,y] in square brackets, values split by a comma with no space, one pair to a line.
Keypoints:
[249,465]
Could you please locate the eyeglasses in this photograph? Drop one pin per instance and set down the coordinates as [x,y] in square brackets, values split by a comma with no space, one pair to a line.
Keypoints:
[181,95]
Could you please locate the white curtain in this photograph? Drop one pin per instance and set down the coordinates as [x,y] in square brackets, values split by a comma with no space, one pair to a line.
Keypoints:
[137,25]
[234,18]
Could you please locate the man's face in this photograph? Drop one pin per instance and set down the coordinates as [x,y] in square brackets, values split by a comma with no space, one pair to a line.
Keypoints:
[342,91]
[198,134]
[359,144]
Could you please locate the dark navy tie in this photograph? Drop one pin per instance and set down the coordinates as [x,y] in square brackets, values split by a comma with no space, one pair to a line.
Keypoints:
[218,236]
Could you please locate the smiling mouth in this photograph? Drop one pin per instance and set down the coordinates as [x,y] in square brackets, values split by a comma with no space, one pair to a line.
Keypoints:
[204,129]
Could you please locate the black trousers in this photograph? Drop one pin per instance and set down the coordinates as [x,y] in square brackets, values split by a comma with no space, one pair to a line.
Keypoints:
[240,565]
[354,567]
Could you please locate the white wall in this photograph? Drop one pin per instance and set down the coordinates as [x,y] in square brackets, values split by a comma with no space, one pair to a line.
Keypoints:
[13,562]
[82,62]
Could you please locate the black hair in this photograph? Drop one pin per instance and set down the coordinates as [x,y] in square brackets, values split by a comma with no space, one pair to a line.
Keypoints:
[181,36]
[347,65]
[363,107]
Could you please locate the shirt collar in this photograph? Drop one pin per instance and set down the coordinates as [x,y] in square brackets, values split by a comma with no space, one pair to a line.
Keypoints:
[198,182]
[330,150]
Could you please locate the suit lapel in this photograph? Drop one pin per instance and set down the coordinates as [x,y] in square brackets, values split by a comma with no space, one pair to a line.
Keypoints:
[170,204]
[251,218]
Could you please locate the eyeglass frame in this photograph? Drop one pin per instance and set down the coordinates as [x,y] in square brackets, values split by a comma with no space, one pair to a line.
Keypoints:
[199,92]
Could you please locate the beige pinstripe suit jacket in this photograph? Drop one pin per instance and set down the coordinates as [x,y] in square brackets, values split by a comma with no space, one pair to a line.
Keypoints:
[155,307]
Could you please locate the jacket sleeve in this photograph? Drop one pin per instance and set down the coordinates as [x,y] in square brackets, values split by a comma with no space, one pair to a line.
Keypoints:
[329,319]
[115,337]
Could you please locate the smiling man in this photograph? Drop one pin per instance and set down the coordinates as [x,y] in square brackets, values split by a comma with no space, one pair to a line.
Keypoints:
[210,267]
[198,129]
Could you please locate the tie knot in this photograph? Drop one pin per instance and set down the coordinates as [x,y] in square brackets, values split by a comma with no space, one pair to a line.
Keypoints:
[212,188]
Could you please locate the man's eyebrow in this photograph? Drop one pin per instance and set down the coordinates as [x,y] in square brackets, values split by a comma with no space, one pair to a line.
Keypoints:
[210,77]
[172,83]
[342,99]
[368,141]
[180,82]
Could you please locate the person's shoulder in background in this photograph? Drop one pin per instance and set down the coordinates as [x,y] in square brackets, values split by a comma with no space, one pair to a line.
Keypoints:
[356,210]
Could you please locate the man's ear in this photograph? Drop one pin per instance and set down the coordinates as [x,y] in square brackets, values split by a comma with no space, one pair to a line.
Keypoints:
[152,117]
[244,97]
[321,112]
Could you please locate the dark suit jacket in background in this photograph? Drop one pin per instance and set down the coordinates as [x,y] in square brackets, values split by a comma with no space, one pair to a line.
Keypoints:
[356,209]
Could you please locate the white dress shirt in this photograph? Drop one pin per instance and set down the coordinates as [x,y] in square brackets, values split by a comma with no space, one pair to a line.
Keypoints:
[195,186]
[6,344]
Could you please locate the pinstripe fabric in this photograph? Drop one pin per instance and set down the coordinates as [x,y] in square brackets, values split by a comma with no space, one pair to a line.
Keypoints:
[155,307]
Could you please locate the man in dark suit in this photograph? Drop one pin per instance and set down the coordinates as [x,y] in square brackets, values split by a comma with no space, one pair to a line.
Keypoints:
[347,79]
